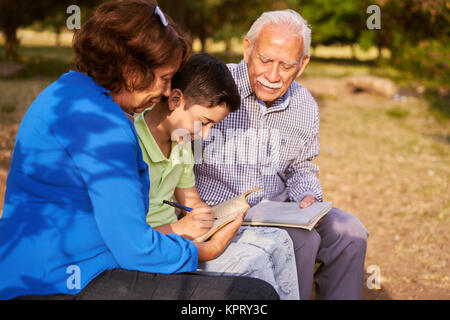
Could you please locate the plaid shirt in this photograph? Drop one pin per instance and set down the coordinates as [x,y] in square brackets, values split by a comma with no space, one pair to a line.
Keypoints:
[259,147]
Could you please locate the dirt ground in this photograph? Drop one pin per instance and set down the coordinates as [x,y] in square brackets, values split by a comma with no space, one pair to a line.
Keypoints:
[384,159]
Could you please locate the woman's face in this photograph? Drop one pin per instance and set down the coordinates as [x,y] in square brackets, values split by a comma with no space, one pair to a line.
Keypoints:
[139,100]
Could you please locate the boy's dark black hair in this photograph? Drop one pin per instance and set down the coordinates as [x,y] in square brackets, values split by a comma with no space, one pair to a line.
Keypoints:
[207,81]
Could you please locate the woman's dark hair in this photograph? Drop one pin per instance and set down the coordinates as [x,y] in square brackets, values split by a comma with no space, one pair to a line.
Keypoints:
[121,44]
[207,81]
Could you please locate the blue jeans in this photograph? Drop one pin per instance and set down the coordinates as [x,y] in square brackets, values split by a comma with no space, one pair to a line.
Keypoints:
[260,252]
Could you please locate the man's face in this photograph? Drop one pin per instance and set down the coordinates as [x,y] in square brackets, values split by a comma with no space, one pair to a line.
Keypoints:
[274,62]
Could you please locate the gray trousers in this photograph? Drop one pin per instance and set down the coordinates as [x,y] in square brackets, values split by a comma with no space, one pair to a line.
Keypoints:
[339,242]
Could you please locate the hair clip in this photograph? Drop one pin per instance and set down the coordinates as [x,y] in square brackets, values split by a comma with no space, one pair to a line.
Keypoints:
[161,16]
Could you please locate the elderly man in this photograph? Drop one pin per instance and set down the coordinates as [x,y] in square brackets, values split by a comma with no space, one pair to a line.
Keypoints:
[270,143]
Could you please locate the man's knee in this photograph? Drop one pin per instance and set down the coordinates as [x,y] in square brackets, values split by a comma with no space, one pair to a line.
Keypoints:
[302,239]
[347,226]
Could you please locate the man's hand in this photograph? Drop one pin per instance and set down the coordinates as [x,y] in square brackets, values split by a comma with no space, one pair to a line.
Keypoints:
[195,223]
[306,202]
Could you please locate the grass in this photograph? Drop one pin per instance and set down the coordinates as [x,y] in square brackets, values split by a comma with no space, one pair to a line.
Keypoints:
[17,94]
[46,61]
[382,163]
[398,112]
[7,108]
[439,107]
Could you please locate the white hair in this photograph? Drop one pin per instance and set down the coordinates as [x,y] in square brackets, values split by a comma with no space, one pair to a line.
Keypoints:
[289,18]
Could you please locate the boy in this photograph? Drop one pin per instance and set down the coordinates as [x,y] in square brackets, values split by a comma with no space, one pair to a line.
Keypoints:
[205,92]
[196,96]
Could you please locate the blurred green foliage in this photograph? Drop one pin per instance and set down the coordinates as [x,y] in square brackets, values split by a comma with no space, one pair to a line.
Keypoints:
[416,32]
[334,21]
[429,59]
[397,112]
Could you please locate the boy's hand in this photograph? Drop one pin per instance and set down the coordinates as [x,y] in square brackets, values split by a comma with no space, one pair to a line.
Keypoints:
[195,223]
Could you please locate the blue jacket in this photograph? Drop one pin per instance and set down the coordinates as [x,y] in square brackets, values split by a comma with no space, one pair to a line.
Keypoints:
[77,197]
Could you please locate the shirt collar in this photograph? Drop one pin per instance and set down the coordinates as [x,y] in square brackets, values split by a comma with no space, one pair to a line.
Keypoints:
[151,147]
[282,102]
[149,144]
[130,116]
[243,81]
[84,79]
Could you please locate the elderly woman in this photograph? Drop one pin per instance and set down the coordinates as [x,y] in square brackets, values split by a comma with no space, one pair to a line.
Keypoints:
[73,222]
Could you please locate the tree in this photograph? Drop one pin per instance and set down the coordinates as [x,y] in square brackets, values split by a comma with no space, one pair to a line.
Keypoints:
[409,22]
[220,19]
[15,14]
[57,21]
[335,21]
[194,16]
[233,18]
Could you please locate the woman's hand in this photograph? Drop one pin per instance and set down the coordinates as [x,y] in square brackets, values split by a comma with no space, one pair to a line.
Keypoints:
[195,223]
[219,241]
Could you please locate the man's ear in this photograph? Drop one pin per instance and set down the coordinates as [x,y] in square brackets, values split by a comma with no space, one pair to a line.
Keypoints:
[304,62]
[176,99]
[247,48]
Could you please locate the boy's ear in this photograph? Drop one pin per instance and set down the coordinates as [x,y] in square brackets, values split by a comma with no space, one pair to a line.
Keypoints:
[176,99]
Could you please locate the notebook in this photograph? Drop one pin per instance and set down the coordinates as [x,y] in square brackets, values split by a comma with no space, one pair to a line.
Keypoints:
[286,214]
[226,211]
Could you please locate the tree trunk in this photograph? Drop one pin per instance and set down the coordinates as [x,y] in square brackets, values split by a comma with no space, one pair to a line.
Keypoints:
[380,53]
[176,10]
[11,42]
[203,42]
[353,47]
[228,47]
[58,36]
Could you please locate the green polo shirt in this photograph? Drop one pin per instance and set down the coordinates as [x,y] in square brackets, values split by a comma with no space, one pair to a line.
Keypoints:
[166,174]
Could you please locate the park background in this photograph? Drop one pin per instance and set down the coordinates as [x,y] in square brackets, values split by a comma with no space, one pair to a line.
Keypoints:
[384,102]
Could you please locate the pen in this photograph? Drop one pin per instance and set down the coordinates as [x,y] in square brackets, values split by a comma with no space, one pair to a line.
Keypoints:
[176,205]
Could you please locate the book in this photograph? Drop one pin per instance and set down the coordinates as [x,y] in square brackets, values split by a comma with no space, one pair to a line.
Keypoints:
[286,214]
[226,212]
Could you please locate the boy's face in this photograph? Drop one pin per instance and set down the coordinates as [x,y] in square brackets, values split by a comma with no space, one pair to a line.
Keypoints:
[195,121]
